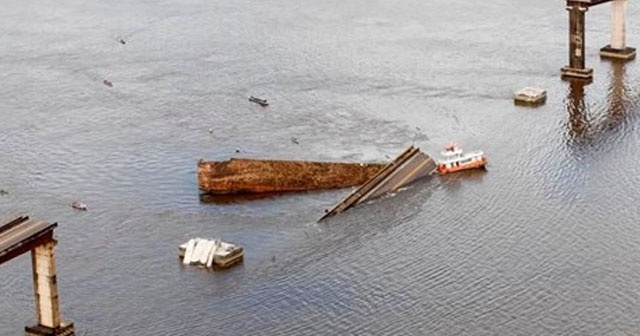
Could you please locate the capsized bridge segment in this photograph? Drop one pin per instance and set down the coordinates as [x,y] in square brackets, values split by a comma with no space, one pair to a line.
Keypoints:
[410,165]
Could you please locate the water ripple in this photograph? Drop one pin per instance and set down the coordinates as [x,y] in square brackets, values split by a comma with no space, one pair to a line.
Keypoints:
[542,242]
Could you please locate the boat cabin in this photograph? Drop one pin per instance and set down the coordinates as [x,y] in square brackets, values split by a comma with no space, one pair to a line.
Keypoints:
[454,159]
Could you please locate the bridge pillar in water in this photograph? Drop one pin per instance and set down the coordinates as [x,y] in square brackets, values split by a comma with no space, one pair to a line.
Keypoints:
[618,49]
[576,68]
[46,294]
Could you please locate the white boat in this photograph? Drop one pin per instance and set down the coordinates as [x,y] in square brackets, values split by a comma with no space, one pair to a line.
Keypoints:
[454,160]
[210,253]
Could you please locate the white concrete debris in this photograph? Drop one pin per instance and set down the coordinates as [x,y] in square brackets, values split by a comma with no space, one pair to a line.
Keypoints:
[530,96]
[210,253]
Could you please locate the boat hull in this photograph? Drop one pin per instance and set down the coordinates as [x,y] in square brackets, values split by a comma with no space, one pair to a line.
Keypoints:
[476,164]
[268,176]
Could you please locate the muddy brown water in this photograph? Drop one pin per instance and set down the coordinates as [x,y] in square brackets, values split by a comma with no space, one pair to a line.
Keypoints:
[545,242]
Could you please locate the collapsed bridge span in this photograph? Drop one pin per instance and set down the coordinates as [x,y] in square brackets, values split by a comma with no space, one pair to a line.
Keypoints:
[409,166]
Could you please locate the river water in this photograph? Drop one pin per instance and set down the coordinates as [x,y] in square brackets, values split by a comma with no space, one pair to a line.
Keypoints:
[546,241]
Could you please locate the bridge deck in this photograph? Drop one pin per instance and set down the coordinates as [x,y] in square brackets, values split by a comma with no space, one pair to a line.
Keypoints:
[585,3]
[21,235]
[409,166]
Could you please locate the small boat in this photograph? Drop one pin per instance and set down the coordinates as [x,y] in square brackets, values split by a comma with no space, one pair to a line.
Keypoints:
[210,253]
[79,206]
[259,101]
[454,160]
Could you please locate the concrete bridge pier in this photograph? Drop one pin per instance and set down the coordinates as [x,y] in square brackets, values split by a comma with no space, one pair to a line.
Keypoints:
[576,68]
[618,49]
[46,294]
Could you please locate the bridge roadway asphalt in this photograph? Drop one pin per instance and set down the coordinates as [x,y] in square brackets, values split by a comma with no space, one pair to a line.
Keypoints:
[17,236]
[409,166]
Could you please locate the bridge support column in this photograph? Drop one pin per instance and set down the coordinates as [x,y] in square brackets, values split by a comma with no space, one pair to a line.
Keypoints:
[576,68]
[618,48]
[46,293]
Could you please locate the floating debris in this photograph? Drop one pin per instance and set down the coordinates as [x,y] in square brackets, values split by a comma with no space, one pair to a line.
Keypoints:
[259,101]
[295,140]
[530,96]
[210,253]
[107,83]
[122,41]
[79,206]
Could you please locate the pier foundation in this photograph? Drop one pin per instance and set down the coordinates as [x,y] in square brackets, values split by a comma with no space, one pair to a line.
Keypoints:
[576,68]
[618,49]
[46,294]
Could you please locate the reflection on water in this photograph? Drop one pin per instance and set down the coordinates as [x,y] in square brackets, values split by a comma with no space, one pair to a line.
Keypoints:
[236,198]
[578,123]
[545,241]
[617,94]
[458,179]
[590,122]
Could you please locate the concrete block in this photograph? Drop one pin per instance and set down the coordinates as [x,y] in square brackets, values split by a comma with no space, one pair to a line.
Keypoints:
[530,96]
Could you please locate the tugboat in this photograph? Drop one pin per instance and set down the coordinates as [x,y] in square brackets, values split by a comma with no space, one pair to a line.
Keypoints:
[455,160]
[259,101]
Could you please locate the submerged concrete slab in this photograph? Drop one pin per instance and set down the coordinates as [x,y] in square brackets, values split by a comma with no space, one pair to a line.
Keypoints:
[530,96]
[409,166]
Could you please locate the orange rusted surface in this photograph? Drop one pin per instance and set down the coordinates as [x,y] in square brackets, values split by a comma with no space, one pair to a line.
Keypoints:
[262,176]
[478,162]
